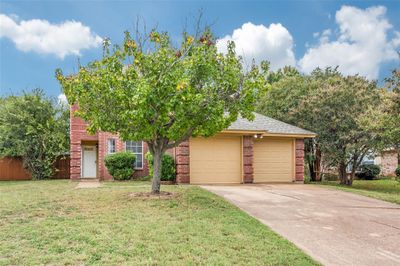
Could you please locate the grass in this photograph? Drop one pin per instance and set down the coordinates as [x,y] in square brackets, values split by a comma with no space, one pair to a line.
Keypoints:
[51,222]
[383,189]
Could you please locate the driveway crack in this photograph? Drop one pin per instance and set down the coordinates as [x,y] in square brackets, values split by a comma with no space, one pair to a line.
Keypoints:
[283,195]
[370,207]
[388,225]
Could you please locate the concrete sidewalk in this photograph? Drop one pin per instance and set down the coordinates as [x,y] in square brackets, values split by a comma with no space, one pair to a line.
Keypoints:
[332,226]
[88,184]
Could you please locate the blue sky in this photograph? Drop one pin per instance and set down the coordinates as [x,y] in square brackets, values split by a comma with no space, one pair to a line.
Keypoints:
[36,37]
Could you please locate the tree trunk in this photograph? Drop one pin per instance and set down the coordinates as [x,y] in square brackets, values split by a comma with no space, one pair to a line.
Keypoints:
[353,170]
[315,166]
[157,155]
[309,149]
[311,169]
[317,163]
[342,173]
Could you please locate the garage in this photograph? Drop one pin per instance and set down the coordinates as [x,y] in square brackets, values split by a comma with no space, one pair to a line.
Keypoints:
[273,160]
[216,160]
[263,150]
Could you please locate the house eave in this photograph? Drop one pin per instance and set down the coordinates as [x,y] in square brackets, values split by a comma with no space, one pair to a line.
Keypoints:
[244,132]
[268,134]
[304,136]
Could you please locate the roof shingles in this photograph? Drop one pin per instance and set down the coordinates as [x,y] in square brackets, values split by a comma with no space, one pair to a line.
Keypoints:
[270,125]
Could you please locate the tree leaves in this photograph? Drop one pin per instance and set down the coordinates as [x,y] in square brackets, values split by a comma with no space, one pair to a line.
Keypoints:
[36,128]
[162,92]
[334,106]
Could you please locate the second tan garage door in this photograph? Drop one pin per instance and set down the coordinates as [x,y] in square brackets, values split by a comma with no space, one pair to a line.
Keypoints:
[273,160]
[215,160]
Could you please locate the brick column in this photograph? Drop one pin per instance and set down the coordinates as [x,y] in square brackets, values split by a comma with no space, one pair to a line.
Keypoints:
[248,159]
[182,163]
[389,162]
[299,160]
[101,154]
[75,157]
[75,145]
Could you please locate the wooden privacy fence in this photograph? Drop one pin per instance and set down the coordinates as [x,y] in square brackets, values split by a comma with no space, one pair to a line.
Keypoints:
[11,168]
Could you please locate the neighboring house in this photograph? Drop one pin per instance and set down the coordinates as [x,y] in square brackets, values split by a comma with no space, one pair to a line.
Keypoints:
[388,161]
[263,150]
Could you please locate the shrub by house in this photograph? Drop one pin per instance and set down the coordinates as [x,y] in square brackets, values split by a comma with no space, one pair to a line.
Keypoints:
[120,165]
[168,171]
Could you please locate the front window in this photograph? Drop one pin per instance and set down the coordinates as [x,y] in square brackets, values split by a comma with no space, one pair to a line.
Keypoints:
[111,146]
[136,147]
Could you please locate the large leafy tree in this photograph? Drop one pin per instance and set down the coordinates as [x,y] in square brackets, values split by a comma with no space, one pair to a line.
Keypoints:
[36,128]
[388,113]
[392,118]
[148,89]
[335,107]
[288,90]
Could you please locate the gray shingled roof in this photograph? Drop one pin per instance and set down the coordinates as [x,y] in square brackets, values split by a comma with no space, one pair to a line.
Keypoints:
[270,125]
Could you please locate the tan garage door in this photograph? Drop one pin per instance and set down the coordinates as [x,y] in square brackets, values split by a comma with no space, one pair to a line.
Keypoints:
[215,160]
[273,160]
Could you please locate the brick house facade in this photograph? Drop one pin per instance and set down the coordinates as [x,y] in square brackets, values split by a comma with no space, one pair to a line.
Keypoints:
[183,161]
[79,138]
[102,142]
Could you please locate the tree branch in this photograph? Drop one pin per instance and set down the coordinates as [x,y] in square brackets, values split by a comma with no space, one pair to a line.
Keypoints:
[185,136]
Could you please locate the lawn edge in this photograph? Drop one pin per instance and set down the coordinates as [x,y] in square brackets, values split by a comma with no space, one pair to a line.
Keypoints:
[261,223]
[361,192]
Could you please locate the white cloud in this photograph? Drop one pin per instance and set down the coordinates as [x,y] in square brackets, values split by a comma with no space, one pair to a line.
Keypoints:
[62,99]
[273,43]
[324,38]
[40,36]
[361,45]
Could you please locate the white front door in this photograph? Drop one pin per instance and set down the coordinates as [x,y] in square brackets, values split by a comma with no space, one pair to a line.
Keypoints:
[89,160]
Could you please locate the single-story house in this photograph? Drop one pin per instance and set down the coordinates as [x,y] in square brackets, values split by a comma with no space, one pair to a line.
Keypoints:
[263,150]
[388,161]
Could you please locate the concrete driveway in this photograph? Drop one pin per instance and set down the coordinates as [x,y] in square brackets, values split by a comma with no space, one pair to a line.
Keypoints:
[332,226]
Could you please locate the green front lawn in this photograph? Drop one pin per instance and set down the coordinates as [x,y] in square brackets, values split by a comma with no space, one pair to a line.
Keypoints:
[51,222]
[383,189]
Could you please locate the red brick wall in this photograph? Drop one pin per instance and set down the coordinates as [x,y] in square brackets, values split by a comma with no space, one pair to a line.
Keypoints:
[182,160]
[78,135]
[300,160]
[248,159]
[389,163]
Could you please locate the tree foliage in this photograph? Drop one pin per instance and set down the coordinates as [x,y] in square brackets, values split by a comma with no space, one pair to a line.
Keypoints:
[148,89]
[285,95]
[332,105]
[36,128]
[168,172]
[387,113]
